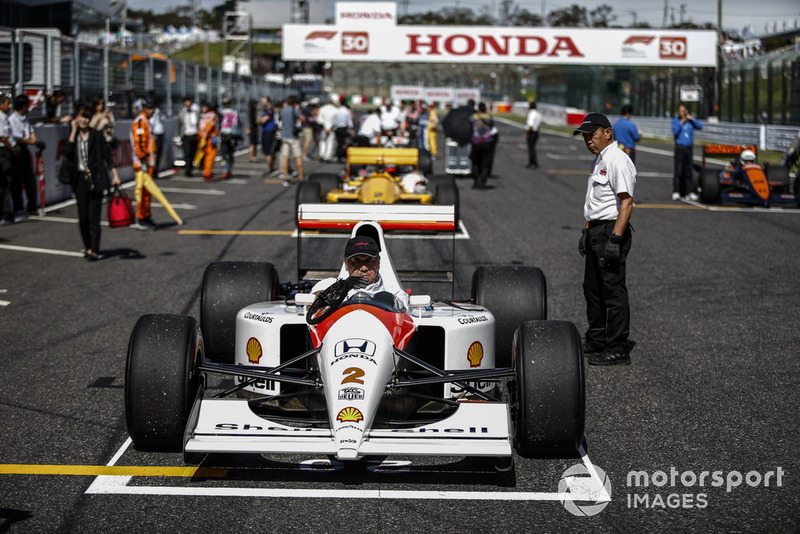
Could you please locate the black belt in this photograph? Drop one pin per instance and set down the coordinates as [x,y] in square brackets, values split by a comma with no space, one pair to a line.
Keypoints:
[599,222]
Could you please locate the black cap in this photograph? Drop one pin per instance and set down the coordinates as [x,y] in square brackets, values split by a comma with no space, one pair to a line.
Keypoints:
[591,122]
[147,102]
[361,245]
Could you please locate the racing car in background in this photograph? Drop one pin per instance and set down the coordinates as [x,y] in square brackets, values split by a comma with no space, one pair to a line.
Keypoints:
[352,375]
[744,180]
[381,175]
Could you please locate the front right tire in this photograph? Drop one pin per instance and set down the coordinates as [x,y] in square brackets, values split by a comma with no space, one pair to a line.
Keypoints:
[549,404]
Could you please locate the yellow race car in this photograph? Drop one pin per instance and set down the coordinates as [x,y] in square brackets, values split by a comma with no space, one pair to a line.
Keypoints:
[379,176]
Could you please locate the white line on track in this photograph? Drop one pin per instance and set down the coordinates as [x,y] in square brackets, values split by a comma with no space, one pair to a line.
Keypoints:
[593,491]
[213,192]
[43,251]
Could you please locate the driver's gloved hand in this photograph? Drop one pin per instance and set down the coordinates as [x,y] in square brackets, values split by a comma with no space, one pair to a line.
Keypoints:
[356,282]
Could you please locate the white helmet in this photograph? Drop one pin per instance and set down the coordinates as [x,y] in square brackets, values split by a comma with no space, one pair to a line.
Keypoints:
[413,183]
[747,156]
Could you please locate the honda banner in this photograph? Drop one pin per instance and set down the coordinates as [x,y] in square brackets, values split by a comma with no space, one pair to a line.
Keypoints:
[474,44]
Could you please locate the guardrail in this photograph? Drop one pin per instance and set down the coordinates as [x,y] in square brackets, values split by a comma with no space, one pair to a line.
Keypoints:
[764,136]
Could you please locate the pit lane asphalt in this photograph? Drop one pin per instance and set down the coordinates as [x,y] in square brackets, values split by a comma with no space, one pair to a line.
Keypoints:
[713,385]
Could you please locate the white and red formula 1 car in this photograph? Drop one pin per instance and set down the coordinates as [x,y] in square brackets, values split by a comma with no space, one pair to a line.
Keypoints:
[352,375]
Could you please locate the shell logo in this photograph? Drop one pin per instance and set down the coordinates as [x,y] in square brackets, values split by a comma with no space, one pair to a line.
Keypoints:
[350,414]
[475,354]
[254,351]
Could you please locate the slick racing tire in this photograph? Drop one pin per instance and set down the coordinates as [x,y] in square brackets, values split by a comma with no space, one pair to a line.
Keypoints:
[327,182]
[161,380]
[709,186]
[446,194]
[307,193]
[425,163]
[229,286]
[514,294]
[549,394]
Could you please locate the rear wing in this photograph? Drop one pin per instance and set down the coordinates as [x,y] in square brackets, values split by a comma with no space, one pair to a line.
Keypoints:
[336,216]
[382,156]
[730,151]
[406,218]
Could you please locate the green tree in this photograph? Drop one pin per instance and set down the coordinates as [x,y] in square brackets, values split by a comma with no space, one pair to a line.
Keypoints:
[601,16]
[572,16]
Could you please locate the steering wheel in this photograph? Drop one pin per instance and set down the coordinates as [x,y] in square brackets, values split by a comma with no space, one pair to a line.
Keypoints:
[327,302]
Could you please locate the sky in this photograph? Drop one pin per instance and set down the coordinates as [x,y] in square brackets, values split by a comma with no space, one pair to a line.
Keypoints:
[736,14]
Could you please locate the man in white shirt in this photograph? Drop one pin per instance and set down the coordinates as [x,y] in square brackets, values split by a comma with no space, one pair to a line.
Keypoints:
[6,154]
[532,123]
[605,243]
[343,128]
[370,130]
[157,130]
[327,143]
[22,177]
[390,118]
[188,120]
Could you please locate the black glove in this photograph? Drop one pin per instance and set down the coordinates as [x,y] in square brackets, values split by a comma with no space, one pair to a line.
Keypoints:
[582,243]
[612,252]
[40,144]
[355,282]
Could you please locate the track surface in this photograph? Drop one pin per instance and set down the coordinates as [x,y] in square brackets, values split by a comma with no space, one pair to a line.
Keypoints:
[713,385]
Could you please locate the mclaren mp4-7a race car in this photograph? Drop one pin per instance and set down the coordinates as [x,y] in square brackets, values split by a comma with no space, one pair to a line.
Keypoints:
[744,180]
[352,375]
[381,175]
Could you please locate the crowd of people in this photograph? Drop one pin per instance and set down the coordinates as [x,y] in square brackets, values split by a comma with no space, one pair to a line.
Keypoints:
[292,131]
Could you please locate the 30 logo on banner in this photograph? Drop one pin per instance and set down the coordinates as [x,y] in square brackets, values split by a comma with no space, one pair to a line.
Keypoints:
[355,43]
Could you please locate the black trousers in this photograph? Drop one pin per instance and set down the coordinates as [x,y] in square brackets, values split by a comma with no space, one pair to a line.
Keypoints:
[227,146]
[6,209]
[482,154]
[90,209]
[606,292]
[22,178]
[341,142]
[533,137]
[189,150]
[159,152]
[682,179]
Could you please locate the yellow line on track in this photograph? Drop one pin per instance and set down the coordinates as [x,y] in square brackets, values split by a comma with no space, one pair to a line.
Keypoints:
[116,470]
[667,206]
[235,232]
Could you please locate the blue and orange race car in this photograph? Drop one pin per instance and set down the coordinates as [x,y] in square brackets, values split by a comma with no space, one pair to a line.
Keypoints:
[744,180]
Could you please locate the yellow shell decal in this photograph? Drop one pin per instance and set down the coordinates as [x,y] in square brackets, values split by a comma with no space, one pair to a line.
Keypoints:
[350,414]
[254,351]
[475,354]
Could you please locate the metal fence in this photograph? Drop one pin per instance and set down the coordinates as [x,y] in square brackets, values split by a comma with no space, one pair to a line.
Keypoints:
[37,62]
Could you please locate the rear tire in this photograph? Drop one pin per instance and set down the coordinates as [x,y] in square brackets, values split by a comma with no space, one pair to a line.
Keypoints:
[709,186]
[229,286]
[514,294]
[327,182]
[446,194]
[307,193]
[550,402]
[425,163]
[161,380]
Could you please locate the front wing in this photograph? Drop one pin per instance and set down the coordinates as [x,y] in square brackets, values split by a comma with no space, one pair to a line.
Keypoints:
[229,426]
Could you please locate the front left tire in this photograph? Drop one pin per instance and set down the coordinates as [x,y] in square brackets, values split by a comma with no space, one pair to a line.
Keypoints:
[161,380]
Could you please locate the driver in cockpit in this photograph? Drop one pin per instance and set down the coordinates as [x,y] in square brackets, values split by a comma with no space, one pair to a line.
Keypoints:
[362,259]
